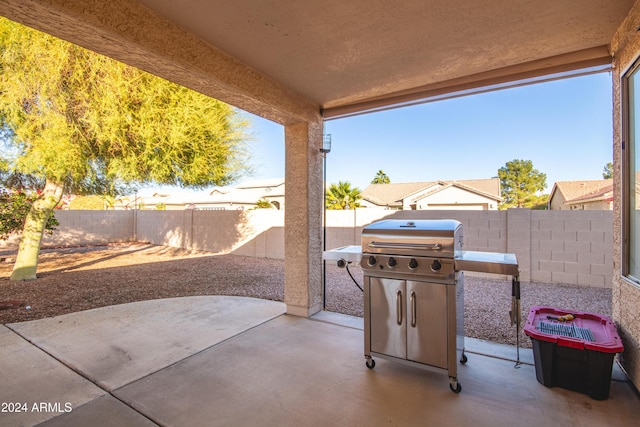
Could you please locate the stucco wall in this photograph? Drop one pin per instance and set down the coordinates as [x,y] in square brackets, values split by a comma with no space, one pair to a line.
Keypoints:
[551,246]
[626,296]
[594,206]
[557,202]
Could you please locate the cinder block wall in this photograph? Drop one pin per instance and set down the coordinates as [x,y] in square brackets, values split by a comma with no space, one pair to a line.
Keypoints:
[256,233]
[572,247]
[80,228]
[170,228]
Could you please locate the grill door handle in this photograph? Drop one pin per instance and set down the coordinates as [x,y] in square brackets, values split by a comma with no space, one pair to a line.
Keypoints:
[413,309]
[391,245]
[399,307]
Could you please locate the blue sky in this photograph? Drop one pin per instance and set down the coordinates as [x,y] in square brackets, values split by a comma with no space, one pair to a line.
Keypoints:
[564,127]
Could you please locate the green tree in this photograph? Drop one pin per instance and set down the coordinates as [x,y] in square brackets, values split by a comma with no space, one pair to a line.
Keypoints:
[607,173]
[263,204]
[540,203]
[342,197]
[17,193]
[14,208]
[16,181]
[519,183]
[381,178]
[87,203]
[87,124]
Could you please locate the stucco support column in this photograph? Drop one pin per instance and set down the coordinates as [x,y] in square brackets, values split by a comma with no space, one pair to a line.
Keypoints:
[303,218]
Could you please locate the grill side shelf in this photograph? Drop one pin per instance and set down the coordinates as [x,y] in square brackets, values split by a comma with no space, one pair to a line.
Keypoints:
[488,262]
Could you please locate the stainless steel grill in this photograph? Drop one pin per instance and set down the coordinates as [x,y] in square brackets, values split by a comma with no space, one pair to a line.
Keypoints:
[426,248]
[413,295]
[414,292]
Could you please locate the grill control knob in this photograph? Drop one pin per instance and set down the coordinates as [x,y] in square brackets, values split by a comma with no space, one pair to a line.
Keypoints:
[392,262]
[436,266]
[372,260]
[413,264]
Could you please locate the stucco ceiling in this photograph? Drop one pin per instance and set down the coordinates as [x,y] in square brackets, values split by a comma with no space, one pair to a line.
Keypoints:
[338,52]
[272,57]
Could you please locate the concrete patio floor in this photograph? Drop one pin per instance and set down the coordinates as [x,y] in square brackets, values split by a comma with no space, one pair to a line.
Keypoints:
[232,361]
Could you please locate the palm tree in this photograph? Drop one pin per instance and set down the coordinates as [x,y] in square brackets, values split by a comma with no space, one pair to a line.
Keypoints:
[381,178]
[263,204]
[342,197]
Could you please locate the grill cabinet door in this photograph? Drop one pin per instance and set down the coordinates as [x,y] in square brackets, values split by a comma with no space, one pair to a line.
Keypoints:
[388,317]
[427,323]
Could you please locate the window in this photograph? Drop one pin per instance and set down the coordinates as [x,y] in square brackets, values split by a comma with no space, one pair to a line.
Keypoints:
[630,173]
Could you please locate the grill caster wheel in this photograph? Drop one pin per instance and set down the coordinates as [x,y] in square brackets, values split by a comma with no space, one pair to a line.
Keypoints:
[463,359]
[457,388]
[370,363]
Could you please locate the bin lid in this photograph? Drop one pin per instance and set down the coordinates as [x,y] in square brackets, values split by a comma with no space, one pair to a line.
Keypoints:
[588,331]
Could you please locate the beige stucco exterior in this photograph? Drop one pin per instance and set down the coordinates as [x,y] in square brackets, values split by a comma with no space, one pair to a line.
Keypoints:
[626,296]
[303,218]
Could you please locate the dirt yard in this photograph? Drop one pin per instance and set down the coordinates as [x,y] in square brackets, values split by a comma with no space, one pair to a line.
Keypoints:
[76,279]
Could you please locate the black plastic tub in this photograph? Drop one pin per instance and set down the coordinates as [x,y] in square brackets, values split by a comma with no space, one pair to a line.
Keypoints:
[573,354]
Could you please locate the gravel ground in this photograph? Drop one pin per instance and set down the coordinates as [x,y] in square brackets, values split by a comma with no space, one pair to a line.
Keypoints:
[75,279]
[487,302]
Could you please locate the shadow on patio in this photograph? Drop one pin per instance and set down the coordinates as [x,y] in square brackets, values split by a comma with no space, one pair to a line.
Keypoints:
[219,360]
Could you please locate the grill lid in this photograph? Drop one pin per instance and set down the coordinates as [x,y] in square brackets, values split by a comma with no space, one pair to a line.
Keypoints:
[442,238]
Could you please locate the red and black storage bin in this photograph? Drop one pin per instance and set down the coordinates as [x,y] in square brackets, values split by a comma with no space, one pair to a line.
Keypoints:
[573,354]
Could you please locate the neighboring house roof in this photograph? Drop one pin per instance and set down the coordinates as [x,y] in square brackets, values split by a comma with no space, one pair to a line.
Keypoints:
[570,191]
[393,195]
[490,186]
[469,186]
[262,183]
[246,193]
[602,194]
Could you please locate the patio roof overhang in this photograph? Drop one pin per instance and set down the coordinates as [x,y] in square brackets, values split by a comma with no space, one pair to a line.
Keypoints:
[289,61]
